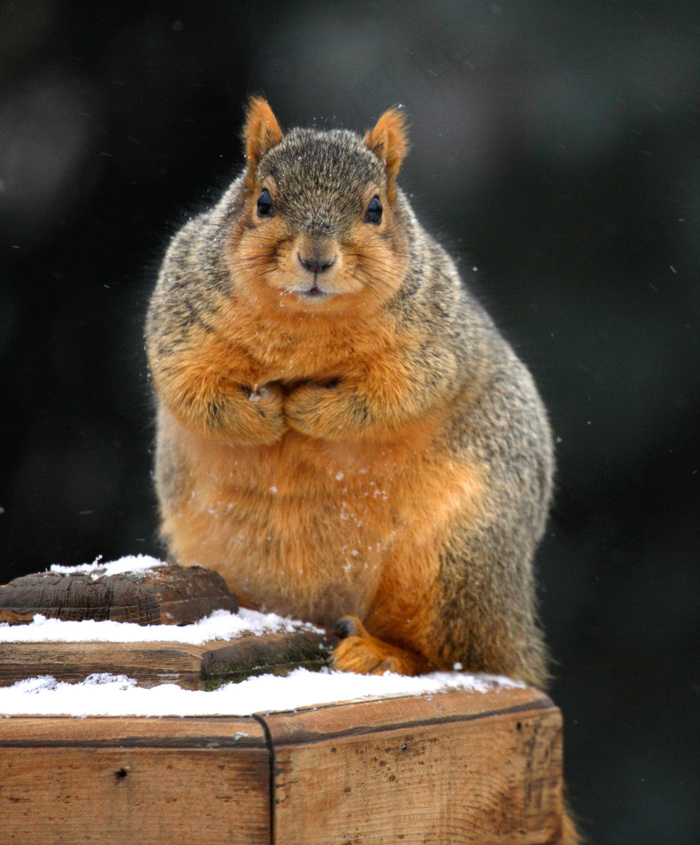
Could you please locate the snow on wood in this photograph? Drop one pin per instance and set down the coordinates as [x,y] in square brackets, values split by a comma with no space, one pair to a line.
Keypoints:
[110,695]
[114,694]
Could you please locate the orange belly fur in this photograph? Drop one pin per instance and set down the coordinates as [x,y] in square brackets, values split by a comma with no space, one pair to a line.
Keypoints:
[319,530]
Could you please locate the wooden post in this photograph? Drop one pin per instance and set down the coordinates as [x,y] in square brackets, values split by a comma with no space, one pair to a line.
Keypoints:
[449,768]
[446,769]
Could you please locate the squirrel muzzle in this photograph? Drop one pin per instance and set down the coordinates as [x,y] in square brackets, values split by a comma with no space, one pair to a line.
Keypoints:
[316,255]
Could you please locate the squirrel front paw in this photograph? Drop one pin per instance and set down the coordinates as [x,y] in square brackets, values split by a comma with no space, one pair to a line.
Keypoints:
[261,421]
[363,654]
[324,410]
[251,417]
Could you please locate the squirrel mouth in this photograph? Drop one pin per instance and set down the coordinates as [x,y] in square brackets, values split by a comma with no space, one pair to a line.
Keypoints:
[314,292]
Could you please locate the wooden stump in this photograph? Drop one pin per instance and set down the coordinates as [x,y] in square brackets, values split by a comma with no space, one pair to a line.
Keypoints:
[164,595]
[446,769]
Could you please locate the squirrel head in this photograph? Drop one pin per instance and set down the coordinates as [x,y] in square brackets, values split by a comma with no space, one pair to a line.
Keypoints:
[318,222]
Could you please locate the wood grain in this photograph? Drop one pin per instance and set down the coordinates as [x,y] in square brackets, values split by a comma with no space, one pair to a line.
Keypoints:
[445,769]
[457,768]
[277,654]
[131,731]
[148,664]
[118,781]
[165,595]
[204,666]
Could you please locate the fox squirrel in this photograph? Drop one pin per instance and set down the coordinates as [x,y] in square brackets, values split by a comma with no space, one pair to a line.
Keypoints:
[342,431]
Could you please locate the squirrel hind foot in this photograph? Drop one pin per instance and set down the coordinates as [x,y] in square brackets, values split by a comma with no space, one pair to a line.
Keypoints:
[363,654]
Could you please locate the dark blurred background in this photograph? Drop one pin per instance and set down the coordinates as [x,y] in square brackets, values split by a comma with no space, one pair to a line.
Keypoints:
[555,149]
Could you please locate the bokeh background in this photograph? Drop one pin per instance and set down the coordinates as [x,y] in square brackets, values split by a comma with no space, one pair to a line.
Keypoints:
[555,148]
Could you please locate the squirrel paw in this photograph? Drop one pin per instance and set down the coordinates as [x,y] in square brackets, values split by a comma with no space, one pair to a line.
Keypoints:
[322,410]
[363,654]
[263,423]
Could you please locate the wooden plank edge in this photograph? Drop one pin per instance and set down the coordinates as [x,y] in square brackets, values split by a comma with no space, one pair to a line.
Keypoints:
[132,732]
[368,716]
[206,666]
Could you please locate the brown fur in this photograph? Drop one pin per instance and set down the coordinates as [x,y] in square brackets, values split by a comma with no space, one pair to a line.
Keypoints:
[260,133]
[309,447]
[342,431]
[280,503]
[388,141]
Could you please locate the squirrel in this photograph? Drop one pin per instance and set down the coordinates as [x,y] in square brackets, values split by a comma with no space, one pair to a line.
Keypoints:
[342,431]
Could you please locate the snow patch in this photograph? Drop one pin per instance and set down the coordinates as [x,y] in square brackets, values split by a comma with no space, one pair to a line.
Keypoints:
[130,563]
[220,625]
[117,695]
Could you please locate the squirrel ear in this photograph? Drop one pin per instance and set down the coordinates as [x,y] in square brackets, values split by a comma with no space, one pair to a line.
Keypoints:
[388,140]
[261,132]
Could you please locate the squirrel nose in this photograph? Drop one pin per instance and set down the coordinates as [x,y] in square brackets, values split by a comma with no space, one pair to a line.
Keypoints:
[316,264]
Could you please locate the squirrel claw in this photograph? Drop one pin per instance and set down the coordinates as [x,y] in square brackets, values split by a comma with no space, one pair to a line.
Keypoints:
[347,627]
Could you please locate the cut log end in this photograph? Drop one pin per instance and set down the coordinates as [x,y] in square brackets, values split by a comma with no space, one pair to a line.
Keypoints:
[165,595]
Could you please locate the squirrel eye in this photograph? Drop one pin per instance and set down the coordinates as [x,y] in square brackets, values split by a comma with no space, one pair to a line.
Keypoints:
[374,211]
[265,207]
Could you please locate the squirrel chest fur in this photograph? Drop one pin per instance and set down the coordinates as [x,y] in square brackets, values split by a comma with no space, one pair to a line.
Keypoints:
[342,431]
